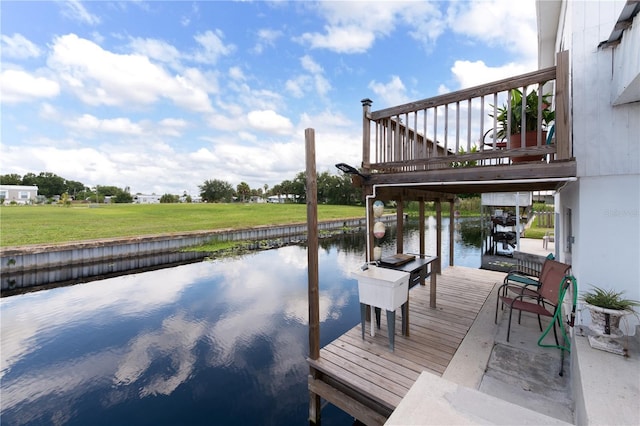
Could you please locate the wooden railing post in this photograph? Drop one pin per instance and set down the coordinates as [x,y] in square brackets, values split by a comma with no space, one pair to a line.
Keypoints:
[366,134]
[399,225]
[563,116]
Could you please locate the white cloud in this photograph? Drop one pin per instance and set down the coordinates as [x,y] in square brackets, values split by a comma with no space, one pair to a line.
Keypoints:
[158,50]
[75,10]
[172,126]
[236,73]
[266,38]
[100,77]
[297,86]
[269,121]
[391,93]
[498,23]
[20,86]
[469,74]
[18,46]
[89,123]
[354,26]
[310,65]
[350,39]
[212,47]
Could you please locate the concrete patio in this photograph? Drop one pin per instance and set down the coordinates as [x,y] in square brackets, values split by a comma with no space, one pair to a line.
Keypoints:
[492,381]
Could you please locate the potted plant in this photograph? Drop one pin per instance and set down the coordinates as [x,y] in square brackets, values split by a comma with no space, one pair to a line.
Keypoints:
[606,308]
[513,121]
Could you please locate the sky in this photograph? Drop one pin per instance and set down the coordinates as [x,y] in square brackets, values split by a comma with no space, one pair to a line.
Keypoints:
[160,96]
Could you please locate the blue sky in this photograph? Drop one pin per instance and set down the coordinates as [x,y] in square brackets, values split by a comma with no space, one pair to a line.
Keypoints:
[160,96]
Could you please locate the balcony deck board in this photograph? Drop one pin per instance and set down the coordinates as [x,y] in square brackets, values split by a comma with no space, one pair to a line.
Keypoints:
[367,369]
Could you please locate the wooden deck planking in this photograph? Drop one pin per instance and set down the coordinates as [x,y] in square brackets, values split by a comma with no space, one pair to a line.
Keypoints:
[369,368]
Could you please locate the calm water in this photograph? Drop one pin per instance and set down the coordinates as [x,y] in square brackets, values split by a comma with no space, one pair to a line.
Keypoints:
[219,342]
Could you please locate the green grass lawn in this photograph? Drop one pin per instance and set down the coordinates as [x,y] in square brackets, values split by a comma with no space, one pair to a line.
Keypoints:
[535,231]
[46,224]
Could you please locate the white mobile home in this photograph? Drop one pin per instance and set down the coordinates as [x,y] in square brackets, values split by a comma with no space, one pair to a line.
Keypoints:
[146,199]
[21,194]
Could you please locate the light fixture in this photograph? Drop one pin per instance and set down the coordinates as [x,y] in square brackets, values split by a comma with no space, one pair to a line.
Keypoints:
[350,170]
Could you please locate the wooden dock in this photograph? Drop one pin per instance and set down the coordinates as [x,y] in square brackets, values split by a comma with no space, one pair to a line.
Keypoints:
[366,380]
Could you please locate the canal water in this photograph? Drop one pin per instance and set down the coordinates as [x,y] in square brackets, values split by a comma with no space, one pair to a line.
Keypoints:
[219,342]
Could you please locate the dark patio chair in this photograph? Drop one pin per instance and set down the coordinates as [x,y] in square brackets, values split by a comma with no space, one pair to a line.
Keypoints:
[542,300]
[526,273]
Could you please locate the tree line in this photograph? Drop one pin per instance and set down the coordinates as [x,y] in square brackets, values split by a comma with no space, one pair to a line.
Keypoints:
[332,189]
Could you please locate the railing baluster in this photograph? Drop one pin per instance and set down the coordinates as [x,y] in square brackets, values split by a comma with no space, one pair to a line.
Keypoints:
[405,144]
[446,128]
[457,127]
[435,131]
[481,143]
[415,135]
[469,126]
[539,119]
[425,153]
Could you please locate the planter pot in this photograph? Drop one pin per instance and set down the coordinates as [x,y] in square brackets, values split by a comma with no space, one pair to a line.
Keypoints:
[605,322]
[605,328]
[531,140]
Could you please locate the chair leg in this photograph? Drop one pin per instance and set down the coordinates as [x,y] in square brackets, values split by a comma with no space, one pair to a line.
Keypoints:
[540,322]
[363,316]
[509,326]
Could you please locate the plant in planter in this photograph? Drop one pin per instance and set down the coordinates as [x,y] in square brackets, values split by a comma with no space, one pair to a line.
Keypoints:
[606,308]
[512,122]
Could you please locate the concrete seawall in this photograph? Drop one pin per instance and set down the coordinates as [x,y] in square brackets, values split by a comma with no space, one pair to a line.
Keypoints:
[42,264]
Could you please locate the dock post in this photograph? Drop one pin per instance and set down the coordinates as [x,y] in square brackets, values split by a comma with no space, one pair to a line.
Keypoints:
[439,235]
[451,230]
[399,225]
[312,267]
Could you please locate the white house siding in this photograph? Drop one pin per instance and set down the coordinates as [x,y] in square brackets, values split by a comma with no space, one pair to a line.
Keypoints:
[605,202]
[21,194]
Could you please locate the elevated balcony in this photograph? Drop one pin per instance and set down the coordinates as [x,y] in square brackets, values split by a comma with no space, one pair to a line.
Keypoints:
[454,143]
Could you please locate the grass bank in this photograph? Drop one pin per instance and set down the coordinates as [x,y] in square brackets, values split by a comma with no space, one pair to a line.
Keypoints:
[50,224]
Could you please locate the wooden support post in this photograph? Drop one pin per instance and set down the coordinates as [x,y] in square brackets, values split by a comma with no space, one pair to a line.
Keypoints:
[421,225]
[366,134]
[399,226]
[563,114]
[439,235]
[372,239]
[452,222]
[312,266]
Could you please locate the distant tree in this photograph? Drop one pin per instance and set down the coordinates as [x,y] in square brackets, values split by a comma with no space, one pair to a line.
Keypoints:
[11,179]
[169,198]
[108,191]
[266,190]
[122,197]
[50,184]
[30,179]
[75,188]
[243,191]
[299,188]
[216,190]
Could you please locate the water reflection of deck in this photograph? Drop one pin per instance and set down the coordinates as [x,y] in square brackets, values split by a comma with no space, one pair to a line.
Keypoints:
[366,380]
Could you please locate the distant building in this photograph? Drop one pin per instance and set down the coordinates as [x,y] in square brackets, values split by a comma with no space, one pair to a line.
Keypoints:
[146,199]
[281,199]
[21,194]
